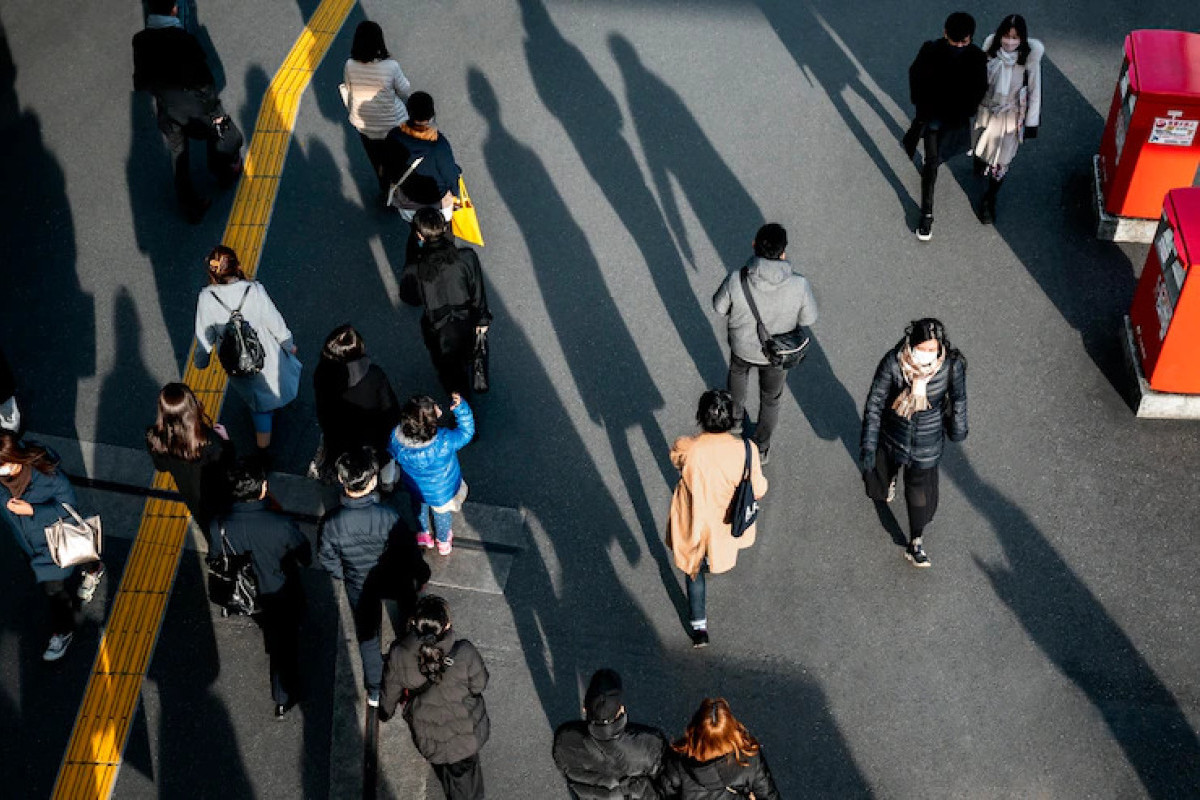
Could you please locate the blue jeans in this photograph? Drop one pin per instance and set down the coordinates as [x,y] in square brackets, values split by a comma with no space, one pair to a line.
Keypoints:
[441,519]
[696,591]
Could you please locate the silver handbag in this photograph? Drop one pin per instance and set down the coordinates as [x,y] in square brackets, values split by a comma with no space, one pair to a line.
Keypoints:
[74,541]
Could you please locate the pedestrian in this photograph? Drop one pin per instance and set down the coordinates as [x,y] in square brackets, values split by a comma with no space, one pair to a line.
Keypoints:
[433,180]
[784,299]
[699,533]
[356,406]
[170,63]
[946,81]
[365,544]
[605,756]
[917,398]
[278,381]
[1012,108]
[717,758]
[375,95]
[444,677]
[34,489]
[428,459]
[194,450]
[277,549]
[10,413]
[447,283]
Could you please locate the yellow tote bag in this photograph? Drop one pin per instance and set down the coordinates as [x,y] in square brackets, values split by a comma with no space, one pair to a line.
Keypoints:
[465,222]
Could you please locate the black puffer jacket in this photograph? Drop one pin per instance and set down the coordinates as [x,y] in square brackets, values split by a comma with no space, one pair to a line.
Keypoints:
[365,537]
[917,441]
[618,761]
[720,779]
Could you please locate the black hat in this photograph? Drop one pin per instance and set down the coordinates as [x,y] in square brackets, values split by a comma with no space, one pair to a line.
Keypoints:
[604,698]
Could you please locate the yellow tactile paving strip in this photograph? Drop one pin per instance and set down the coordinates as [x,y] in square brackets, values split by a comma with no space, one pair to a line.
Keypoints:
[93,756]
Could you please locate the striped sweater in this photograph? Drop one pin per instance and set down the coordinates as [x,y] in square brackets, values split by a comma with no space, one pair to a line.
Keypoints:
[378,90]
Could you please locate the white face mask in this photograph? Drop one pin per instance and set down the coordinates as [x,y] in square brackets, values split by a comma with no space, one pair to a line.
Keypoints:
[6,470]
[1010,43]
[923,358]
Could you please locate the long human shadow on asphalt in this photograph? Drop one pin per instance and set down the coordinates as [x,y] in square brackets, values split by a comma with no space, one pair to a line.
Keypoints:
[1069,624]
[117,419]
[573,92]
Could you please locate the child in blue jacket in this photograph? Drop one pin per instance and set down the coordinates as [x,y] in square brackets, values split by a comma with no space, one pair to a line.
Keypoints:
[428,459]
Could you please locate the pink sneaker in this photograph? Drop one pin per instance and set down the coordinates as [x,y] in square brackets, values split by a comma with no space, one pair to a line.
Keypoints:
[425,539]
[445,547]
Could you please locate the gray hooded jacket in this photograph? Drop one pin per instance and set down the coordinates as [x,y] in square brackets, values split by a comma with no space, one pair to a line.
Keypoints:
[785,299]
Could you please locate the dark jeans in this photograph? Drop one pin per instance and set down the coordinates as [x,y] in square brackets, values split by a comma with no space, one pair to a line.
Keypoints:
[920,489]
[453,367]
[770,393]
[941,144]
[697,591]
[377,151]
[280,624]
[367,608]
[461,780]
[62,607]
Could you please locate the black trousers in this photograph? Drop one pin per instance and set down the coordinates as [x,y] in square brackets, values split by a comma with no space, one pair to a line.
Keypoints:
[452,353]
[920,489]
[770,393]
[222,153]
[62,607]
[377,150]
[461,780]
[941,143]
[280,619]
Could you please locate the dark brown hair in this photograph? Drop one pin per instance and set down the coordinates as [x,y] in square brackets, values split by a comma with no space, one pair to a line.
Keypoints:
[223,265]
[344,344]
[182,429]
[14,451]
[419,419]
[430,621]
[714,732]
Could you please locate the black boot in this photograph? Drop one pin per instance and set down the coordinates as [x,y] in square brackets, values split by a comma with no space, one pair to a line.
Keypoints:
[980,167]
[987,206]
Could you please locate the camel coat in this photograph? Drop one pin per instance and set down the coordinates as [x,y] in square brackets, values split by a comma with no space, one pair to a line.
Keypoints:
[710,467]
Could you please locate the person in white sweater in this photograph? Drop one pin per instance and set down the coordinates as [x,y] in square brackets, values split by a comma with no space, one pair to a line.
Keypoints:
[1011,109]
[375,94]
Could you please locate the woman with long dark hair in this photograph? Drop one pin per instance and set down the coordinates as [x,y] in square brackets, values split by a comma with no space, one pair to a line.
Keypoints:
[32,492]
[717,758]
[918,397]
[376,91]
[197,453]
[444,676]
[447,282]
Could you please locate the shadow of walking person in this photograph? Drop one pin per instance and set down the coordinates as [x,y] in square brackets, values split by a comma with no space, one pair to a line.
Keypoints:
[129,384]
[1069,624]
[616,387]
[824,400]
[591,117]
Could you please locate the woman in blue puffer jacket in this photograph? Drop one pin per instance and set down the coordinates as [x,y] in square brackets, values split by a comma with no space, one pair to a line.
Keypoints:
[428,459]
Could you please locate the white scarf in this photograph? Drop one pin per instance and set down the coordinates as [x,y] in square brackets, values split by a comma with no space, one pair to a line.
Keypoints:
[1006,62]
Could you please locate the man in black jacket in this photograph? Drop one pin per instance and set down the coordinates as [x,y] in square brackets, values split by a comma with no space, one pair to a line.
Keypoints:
[366,545]
[169,63]
[606,756]
[946,82]
[276,547]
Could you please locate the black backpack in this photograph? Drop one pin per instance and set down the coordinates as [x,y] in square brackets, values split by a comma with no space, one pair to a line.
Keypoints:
[239,351]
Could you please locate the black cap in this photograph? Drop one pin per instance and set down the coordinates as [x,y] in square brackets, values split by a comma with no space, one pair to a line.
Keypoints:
[604,697]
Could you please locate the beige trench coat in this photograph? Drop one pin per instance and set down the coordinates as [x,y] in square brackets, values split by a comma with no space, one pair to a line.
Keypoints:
[710,467]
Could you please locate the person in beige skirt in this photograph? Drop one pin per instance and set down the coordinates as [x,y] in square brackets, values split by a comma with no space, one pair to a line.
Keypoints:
[1012,108]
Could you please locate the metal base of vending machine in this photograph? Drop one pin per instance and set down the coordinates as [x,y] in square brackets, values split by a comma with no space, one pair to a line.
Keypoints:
[1148,403]
[1113,228]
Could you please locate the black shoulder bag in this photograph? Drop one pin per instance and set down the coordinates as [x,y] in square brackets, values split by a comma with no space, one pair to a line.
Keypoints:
[232,584]
[743,511]
[784,350]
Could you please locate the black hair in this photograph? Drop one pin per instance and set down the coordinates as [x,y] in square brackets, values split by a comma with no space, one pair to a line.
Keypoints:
[1007,24]
[344,344]
[715,411]
[356,469]
[430,622]
[161,7]
[368,43]
[420,107]
[429,223]
[770,241]
[922,330]
[959,25]
[418,418]
[246,478]
[438,250]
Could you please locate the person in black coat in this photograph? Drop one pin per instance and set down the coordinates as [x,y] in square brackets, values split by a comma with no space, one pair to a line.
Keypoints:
[716,759]
[170,63]
[605,756]
[366,545]
[356,406]
[447,281]
[277,548]
[917,398]
[947,81]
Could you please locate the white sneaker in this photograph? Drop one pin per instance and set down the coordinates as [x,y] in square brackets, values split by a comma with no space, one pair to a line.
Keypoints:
[59,643]
[87,586]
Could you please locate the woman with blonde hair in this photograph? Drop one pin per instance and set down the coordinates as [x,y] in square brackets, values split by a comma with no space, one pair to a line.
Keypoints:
[717,758]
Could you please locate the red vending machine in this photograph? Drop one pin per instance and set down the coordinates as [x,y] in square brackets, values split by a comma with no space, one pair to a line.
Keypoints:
[1150,143]
[1166,305]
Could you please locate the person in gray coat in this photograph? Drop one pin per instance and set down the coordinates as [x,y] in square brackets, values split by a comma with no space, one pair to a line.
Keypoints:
[444,677]
[229,289]
[785,300]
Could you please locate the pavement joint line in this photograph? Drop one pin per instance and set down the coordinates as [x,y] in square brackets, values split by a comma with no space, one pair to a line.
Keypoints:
[102,729]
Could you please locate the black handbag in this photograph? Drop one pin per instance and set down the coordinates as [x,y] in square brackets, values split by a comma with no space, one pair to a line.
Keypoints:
[480,368]
[784,350]
[232,584]
[743,511]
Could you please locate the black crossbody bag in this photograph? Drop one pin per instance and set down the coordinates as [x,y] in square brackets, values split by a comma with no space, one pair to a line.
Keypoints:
[784,350]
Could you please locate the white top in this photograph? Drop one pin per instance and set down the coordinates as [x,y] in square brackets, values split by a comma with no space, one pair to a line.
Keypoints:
[377,91]
[1033,65]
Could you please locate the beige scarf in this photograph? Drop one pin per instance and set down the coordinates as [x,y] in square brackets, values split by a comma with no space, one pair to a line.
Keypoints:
[913,398]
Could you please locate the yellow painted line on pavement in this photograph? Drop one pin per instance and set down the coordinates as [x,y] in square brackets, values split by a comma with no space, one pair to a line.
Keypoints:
[93,756]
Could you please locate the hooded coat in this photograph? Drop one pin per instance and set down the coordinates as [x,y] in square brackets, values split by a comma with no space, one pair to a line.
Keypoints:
[46,493]
[430,469]
[784,298]
[620,760]
[719,779]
